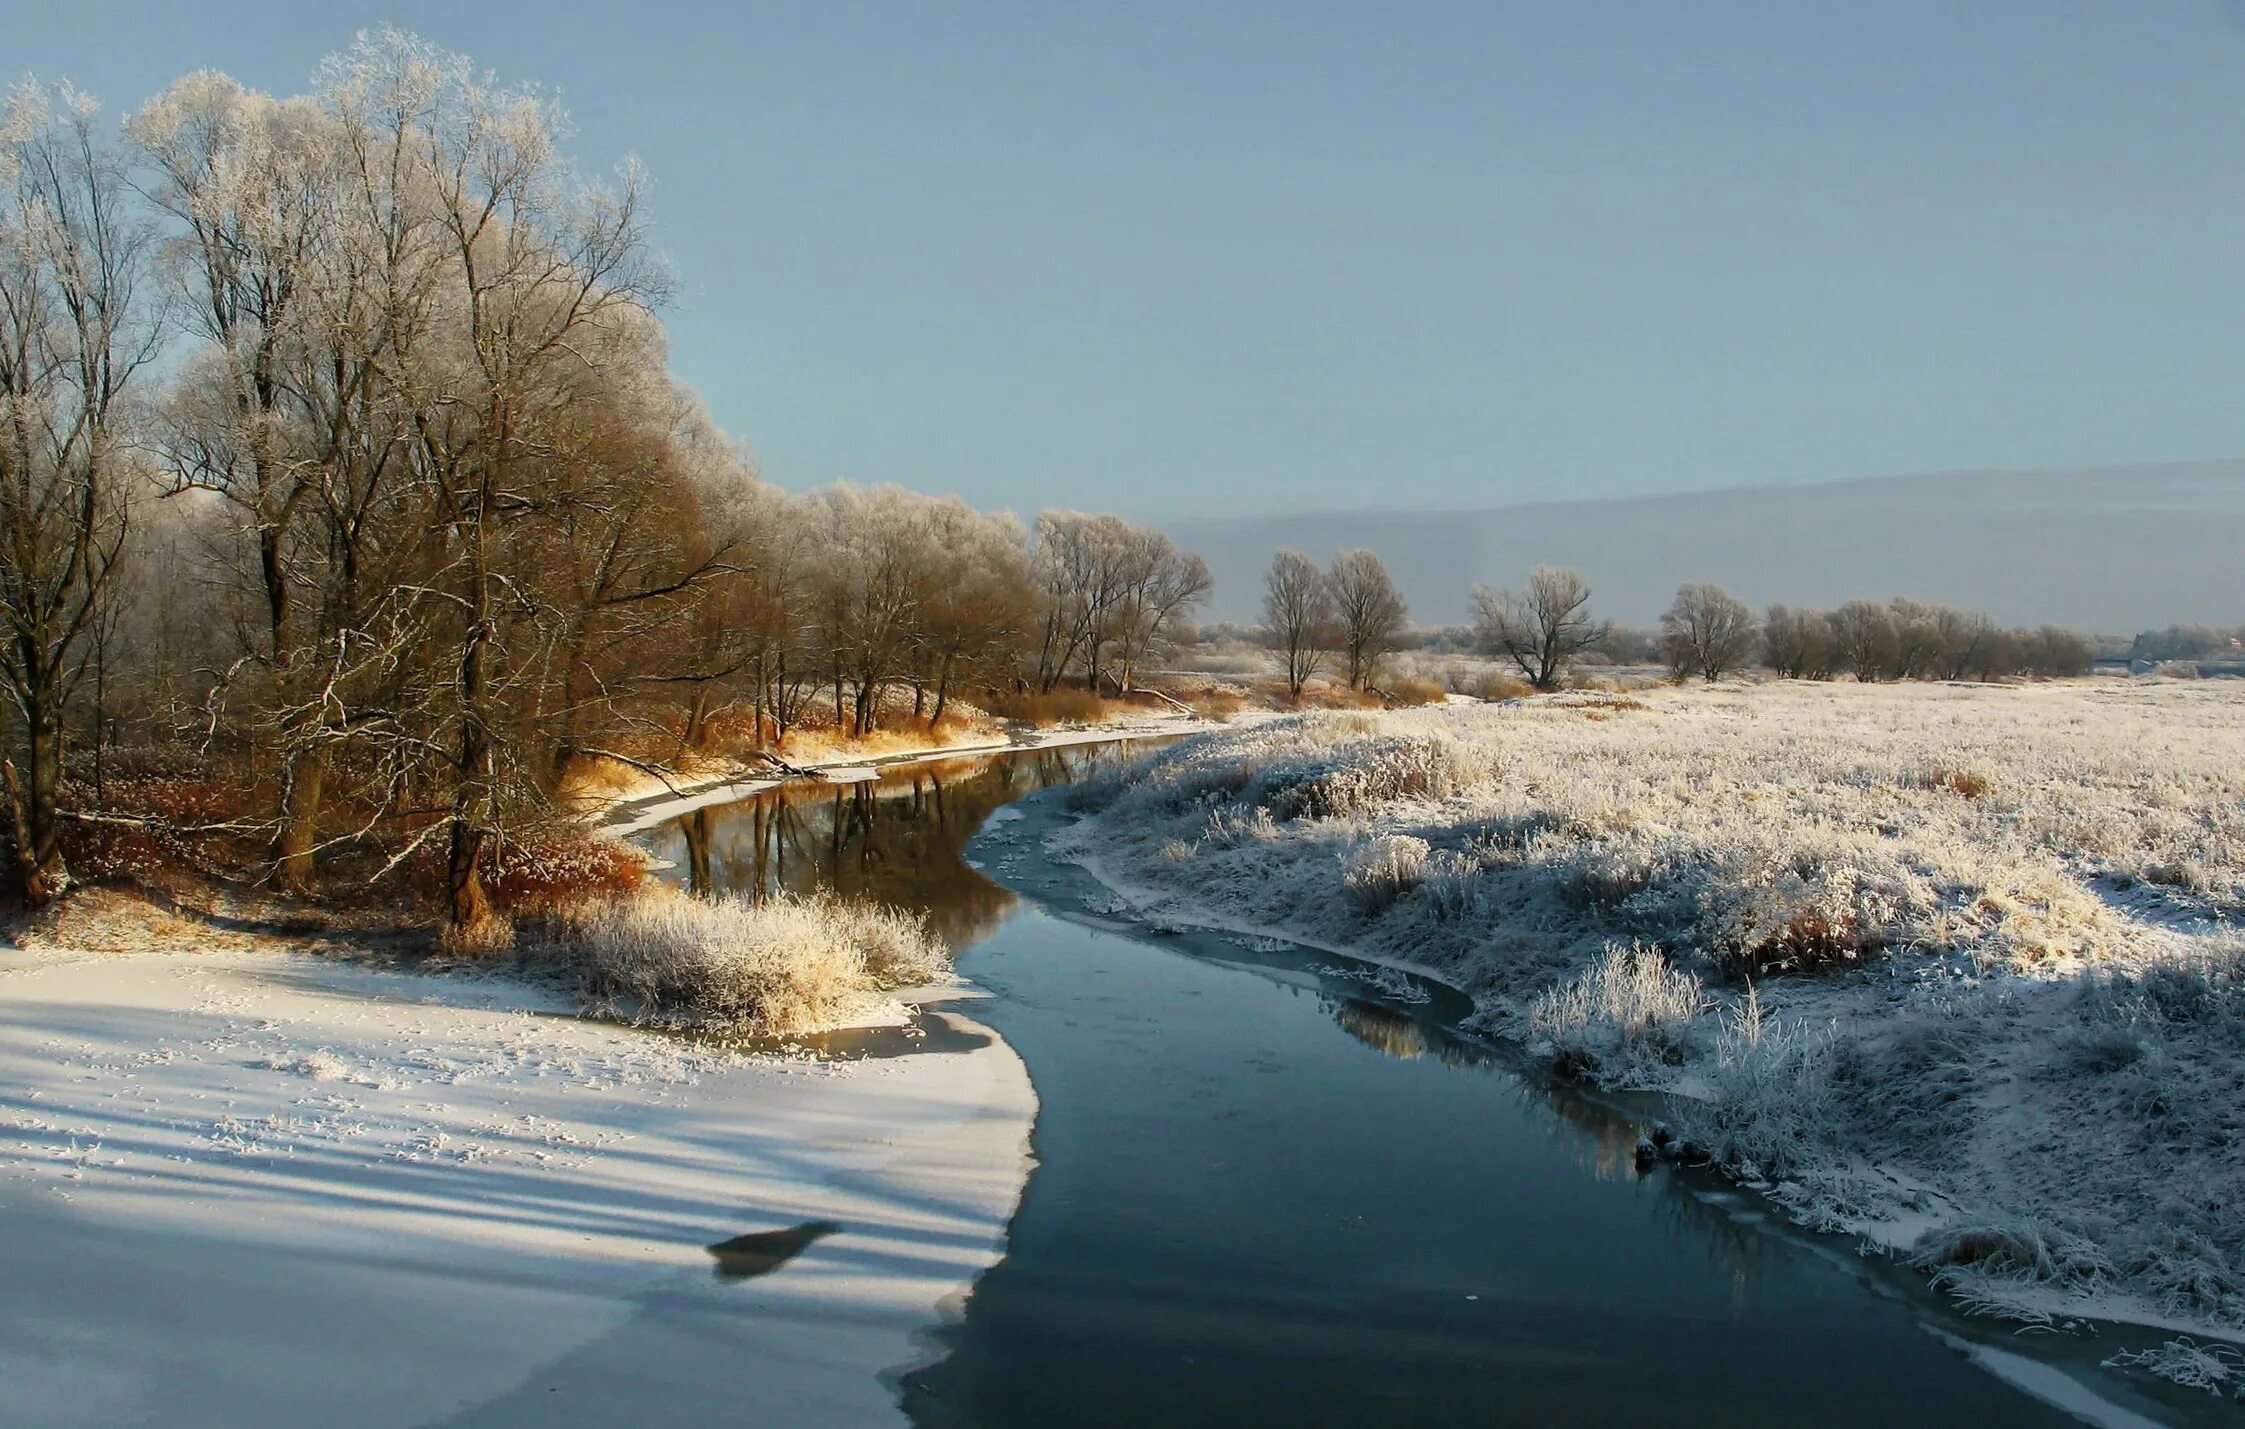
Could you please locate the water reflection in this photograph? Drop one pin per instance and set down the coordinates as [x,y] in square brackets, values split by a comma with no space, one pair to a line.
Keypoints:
[1379,1028]
[898,838]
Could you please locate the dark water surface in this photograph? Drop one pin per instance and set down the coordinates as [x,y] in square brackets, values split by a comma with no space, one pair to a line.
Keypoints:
[1267,1194]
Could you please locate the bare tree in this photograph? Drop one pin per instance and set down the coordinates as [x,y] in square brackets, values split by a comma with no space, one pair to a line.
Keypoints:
[1707,632]
[1157,589]
[1368,611]
[1541,629]
[1960,637]
[76,329]
[1297,616]
[1867,645]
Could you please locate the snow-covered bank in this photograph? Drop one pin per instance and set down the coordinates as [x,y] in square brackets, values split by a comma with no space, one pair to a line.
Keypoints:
[1998,1016]
[649,802]
[249,1188]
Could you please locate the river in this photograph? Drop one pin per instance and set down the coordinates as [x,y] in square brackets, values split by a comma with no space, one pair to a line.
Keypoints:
[1273,1186]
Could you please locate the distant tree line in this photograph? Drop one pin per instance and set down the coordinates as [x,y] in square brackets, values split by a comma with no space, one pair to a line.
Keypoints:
[2189,642]
[1545,629]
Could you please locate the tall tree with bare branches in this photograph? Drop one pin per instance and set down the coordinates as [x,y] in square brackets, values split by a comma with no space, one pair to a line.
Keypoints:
[1369,613]
[1543,628]
[1297,616]
[77,329]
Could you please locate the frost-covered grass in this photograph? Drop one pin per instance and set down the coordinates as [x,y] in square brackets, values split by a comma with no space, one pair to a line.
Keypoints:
[1630,1007]
[1950,966]
[781,966]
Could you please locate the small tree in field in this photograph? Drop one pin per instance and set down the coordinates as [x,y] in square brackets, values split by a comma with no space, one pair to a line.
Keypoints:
[1368,611]
[1707,632]
[1542,629]
[1297,616]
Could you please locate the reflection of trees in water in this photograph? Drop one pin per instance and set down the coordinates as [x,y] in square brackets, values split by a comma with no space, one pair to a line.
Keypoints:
[1378,1028]
[1401,1034]
[1601,1138]
[899,838]
[1604,1139]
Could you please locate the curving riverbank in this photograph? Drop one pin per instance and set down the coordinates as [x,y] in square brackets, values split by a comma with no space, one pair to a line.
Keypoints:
[1987,929]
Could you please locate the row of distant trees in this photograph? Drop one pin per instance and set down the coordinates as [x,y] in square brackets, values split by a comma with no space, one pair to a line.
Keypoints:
[338,447]
[2189,642]
[1708,633]
[1352,616]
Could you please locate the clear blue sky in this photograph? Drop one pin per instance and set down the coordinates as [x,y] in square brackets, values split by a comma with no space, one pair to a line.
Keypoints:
[1223,258]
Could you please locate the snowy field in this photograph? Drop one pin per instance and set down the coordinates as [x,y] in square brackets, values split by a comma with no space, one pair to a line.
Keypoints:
[1950,967]
[244,1188]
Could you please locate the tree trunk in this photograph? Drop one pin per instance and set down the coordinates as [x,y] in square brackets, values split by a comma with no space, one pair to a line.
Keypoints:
[759,701]
[302,783]
[472,914]
[40,874]
[942,693]
[474,927]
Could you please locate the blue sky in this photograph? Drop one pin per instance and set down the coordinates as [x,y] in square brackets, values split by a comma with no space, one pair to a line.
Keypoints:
[1228,258]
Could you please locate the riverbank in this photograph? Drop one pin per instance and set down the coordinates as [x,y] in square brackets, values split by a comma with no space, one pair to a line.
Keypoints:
[248,1187]
[636,806]
[1994,990]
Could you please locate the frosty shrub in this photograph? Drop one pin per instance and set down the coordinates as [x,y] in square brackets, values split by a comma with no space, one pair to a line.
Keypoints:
[1630,1006]
[785,965]
[1376,875]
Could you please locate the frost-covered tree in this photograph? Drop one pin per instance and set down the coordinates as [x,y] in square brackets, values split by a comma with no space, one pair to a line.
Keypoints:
[1865,641]
[1113,594]
[1798,644]
[78,328]
[1369,613]
[1707,632]
[1543,628]
[1297,616]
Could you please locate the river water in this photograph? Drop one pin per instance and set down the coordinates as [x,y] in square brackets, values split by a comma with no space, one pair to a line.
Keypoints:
[1270,1191]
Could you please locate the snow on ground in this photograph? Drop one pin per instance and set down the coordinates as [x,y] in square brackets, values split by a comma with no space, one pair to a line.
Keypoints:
[1998,1002]
[259,1188]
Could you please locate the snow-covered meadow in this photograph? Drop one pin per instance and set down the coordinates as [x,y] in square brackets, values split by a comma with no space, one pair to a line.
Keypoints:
[1952,966]
[271,1188]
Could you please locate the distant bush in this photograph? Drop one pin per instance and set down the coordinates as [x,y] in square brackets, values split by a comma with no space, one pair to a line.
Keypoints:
[532,875]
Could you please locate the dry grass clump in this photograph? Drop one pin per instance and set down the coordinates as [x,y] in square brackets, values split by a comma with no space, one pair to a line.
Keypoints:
[1500,686]
[1406,692]
[1045,709]
[1379,873]
[783,966]
[1219,706]
[1964,783]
